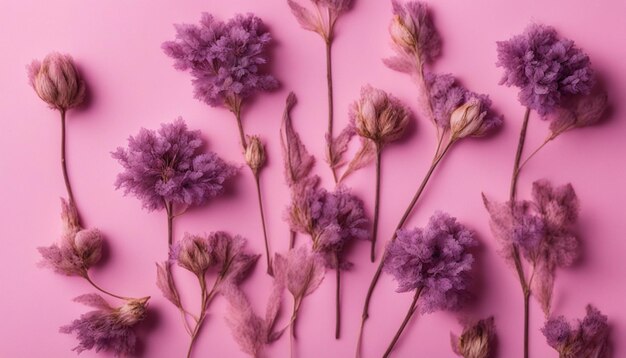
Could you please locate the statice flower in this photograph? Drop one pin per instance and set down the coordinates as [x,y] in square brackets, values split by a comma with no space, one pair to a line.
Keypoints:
[546,67]
[167,167]
[79,249]
[476,341]
[225,58]
[590,337]
[434,261]
[108,328]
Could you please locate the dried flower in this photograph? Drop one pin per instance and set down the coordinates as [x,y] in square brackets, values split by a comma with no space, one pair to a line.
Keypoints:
[255,154]
[589,339]
[166,167]
[476,341]
[57,82]
[323,19]
[192,253]
[297,160]
[446,95]
[79,249]
[434,260]
[225,59]
[379,116]
[231,256]
[107,328]
[473,118]
[546,68]
[580,112]
[415,39]
[165,283]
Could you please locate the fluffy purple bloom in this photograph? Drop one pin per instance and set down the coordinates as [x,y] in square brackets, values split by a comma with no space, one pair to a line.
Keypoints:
[168,167]
[446,95]
[107,328]
[435,260]
[226,59]
[588,339]
[545,67]
[474,118]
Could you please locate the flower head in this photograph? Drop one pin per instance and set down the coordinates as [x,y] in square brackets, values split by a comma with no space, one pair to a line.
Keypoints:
[225,58]
[107,328]
[255,154]
[580,112]
[302,271]
[474,118]
[379,116]
[435,260]
[193,253]
[57,82]
[79,249]
[167,167]
[446,95]
[231,256]
[476,341]
[546,68]
[588,339]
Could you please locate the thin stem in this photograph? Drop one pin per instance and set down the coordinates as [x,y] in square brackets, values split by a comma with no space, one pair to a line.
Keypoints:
[292,324]
[329,81]
[103,290]
[242,136]
[270,271]
[518,156]
[406,320]
[66,177]
[292,239]
[536,151]
[337,298]
[203,303]
[376,204]
[526,314]
[370,291]
[170,223]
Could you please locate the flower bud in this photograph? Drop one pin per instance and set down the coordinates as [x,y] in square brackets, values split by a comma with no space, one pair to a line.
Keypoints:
[255,154]
[192,253]
[476,341]
[403,33]
[88,245]
[379,116]
[57,82]
[133,311]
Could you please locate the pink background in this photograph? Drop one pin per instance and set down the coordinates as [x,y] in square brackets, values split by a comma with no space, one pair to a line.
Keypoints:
[132,84]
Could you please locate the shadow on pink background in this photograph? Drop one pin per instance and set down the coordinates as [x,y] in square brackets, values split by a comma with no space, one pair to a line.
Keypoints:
[132,84]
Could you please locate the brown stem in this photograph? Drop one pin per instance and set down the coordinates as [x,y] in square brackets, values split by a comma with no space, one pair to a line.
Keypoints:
[292,239]
[365,315]
[66,177]
[203,303]
[518,156]
[536,151]
[270,271]
[337,298]
[242,136]
[376,204]
[86,276]
[329,82]
[406,320]
[526,311]
[170,223]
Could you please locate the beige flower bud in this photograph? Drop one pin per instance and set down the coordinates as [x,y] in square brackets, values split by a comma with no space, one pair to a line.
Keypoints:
[402,33]
[379,116]
[57,82]
[88,245]
[467,120]
[193,253]
[255,153]
[133,311]
[476,340]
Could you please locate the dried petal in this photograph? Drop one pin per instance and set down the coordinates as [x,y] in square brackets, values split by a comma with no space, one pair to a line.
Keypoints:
[166,284]
[298,162]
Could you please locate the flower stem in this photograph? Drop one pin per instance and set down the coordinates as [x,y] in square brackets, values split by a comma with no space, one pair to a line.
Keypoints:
[518,156]
[376,204]
[270,271]
[203,303]
[337,298]
[66,177]
[242,136]
[370,291]
[406,320]
[103,290]
[536,151]
[329,82]
[292,239]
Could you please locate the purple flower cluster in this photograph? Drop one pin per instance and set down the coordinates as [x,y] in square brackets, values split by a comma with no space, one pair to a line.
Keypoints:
[330,218]
[542,231]
[435,260]
[589,339]
[225,58]
[108,328]
[167,167]
[545,67]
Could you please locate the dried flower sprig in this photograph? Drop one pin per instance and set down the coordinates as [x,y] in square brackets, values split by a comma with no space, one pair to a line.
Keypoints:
[379,118]
[220,254]
[322,21]
[476,341]
[108,328]
[555,80]
[456,112]
[590,337]
[226,60]
[434,263]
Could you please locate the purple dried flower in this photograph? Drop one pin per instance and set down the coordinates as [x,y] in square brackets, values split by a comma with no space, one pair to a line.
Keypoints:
[107,328]
[79,249]
[225,59]
[435,260]
[231,256]
[476,341]
[446,95]
[57,82]
[545,67]
[302,271]
[415,39]
[589,339]
[167,167]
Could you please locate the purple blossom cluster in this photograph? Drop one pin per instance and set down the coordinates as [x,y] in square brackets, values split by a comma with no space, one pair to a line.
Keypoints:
[226,59]
[546,68]
[435,260]
[588,339]
[167,167]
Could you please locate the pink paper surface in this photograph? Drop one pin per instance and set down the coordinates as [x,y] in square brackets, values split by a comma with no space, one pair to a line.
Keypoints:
[132,84]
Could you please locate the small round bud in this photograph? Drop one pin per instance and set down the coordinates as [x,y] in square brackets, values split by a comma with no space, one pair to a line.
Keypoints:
[379,116]
[403,33]
[57,82]
[476,341]
[88,245]
[192,253]
[467,119]
[133,311]
[255,154]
